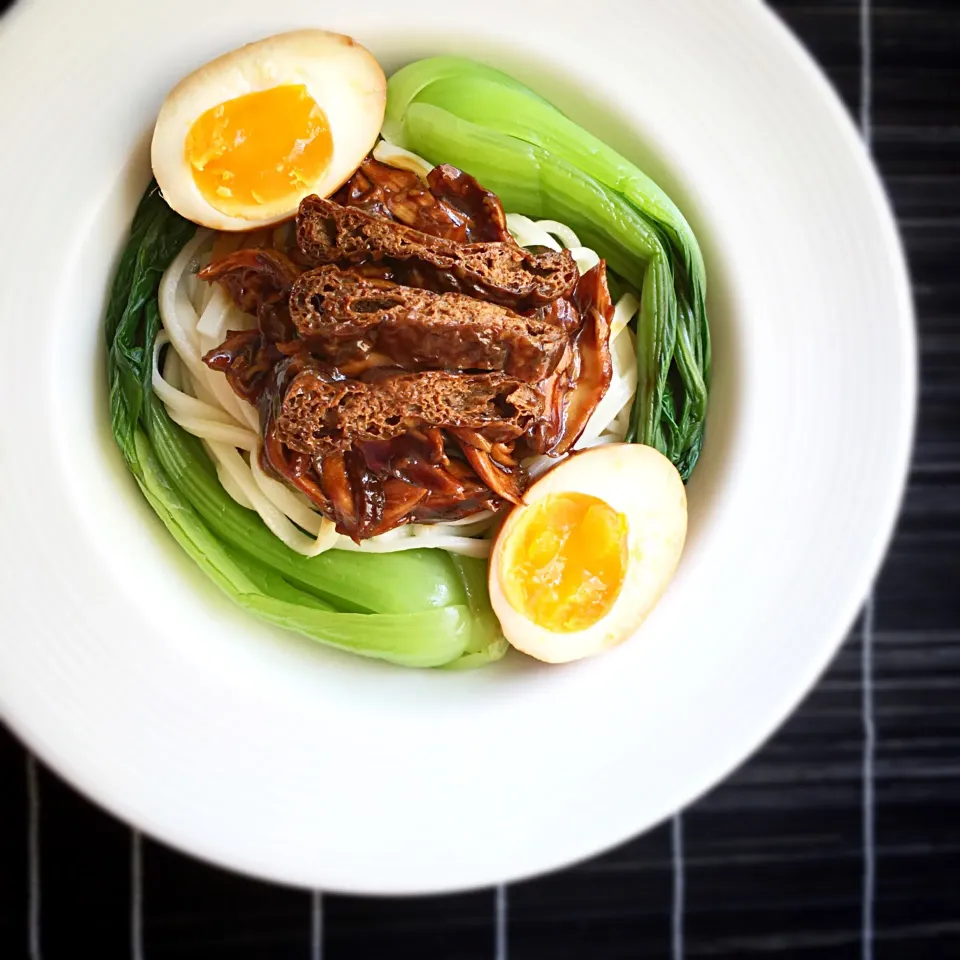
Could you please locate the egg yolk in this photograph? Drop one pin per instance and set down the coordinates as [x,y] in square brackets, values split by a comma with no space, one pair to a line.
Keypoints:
[259,150]
[566,562]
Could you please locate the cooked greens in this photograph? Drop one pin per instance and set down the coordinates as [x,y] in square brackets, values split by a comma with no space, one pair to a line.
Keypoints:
[455,110]
[422,608]
[415,608]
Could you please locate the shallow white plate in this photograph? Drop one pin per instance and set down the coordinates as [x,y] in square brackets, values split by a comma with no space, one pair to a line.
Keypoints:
[135,679]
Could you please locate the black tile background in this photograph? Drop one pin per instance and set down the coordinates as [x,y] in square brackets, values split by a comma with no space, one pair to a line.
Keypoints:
[773,861]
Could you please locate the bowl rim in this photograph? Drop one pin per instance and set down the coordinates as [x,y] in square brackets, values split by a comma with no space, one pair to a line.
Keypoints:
[107,791]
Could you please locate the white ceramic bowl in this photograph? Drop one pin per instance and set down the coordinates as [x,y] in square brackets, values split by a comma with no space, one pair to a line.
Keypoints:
[142,685]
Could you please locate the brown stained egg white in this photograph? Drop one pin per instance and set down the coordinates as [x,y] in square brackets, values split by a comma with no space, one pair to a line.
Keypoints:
[241,141]
[578,567]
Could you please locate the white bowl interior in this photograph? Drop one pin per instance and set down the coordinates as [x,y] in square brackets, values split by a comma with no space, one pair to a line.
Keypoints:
[252,747]
[134,544]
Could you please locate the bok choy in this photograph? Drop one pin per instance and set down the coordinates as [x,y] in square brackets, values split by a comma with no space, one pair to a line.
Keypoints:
[541,164]
[416,608]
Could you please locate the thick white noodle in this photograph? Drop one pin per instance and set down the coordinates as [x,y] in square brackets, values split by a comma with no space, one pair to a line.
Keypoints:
[213,431]
[621,425]
[277,522]
[464,546]
[172,366]
[196,317]
[528,233]
[230,485]
[611,419]
[464,527]
[211,329]
[454,536]
[176,400]
[597,441]
[623,386]
[562,232]
[173,300]
[212,322]
[243,412]
[541,233]
[395,156]
[190,385]
[180,319]
[586,259]
[284,499]
[214,413]
[625,310]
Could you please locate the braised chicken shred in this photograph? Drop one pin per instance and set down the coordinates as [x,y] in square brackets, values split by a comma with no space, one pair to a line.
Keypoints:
[346,318]
[408,354]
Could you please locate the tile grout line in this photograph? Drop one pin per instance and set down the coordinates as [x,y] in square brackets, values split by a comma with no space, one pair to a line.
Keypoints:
[869,802]
[500,928]
[33,858]
[676,927]
[316,925]
[868,891]
[869,731]
[136,895]
[866,72]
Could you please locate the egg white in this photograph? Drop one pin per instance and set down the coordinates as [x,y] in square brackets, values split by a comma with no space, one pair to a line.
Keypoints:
[342,77]
[643,485]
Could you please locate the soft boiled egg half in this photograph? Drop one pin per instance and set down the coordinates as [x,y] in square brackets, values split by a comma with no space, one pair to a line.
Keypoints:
[577,569]
[241,141]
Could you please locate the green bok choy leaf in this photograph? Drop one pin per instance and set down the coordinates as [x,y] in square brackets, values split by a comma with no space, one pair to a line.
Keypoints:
[540,163]
[416,608]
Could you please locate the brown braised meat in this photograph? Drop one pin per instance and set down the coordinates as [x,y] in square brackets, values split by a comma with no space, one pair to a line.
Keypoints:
[501,272]
[247,359]
[583,375]
[346,318]
[420,476]
[394,447]
[364,502]
[321,413]
[259,281]
[449,204]
[404,380]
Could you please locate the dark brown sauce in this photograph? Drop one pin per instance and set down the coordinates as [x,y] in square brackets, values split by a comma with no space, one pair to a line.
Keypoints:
[437,471]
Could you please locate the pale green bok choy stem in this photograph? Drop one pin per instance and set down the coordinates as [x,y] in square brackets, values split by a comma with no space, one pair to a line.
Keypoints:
[413,609]
[540,163]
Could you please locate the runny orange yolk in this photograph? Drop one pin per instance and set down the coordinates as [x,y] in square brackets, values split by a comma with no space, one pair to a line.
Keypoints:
[566,562]
[258,151]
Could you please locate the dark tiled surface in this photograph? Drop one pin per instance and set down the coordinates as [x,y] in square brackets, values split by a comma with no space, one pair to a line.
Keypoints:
[458,926]
[917,144]
[197,911]
[84,872]
[13,847]
[773,861]
[618,905]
